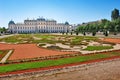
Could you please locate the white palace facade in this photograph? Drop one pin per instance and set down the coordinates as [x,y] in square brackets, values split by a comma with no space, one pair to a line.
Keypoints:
[39,25]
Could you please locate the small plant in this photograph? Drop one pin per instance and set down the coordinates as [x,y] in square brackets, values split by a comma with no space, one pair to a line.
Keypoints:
[93,33]
[42,44]
[115,33]
[54,47]
[84,33]
[66,33]
[106,33]
[77,33]
[71,33]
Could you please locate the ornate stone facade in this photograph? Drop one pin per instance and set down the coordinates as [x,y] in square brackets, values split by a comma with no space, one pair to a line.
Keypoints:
[39,25]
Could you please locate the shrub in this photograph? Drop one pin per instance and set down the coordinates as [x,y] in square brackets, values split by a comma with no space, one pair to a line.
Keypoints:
[93,33]
[54,47]
[84,33]
[106,33]
[76,33]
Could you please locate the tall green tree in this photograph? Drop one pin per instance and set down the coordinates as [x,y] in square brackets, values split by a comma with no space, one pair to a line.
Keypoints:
[116,23]
[115,14]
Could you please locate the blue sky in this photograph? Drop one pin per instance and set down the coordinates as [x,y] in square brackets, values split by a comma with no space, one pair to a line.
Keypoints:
[73,11]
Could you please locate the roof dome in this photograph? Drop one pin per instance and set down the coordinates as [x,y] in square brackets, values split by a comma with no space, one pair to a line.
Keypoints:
[11,22]
[41,19]
[66,23]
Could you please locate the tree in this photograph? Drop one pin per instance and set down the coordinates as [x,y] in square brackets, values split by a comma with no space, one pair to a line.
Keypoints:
[0,30]
[103,25]
[116,25]
[3,30]
[115,14]
[107,25]
[116,29]
[80,28]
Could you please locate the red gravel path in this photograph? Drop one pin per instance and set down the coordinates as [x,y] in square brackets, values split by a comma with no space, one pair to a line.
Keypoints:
[22,51]
[112,40]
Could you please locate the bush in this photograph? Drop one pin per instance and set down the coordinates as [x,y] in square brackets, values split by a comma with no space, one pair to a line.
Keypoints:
[84,33]
[54,47]
[115,33]
[66,33]
[106,33]
[76,33]
[93,33]
[42,44]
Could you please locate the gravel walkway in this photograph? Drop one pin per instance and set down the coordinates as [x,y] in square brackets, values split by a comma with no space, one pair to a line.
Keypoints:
[4,36]
[106,71]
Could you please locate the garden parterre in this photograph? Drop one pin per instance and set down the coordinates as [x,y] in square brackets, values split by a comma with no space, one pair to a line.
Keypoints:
[30,50]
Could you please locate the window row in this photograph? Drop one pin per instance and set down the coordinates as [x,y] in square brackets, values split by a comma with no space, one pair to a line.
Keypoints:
[39,27]
[40,23]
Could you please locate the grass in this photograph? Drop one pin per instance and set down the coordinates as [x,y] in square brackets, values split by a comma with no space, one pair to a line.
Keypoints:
[1,52]
[17,38]
[92,48]
[47,63]
[77,40]
[44,36]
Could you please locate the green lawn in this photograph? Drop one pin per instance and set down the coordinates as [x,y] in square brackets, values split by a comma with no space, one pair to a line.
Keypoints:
[92,48]
[1,52]
[44,36]
[29,65]
[77,40]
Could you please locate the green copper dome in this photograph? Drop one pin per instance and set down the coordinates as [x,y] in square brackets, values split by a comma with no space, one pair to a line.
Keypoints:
[11,22]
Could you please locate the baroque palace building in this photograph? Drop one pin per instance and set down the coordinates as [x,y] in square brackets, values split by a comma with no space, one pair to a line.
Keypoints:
[40,25]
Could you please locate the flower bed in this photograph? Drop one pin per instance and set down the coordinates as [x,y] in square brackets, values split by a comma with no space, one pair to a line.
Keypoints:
[42,58]
[53,57]
[57,62]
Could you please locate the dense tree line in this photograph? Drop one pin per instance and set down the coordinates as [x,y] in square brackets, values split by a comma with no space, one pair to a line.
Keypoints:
[103,25]
[3,30]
